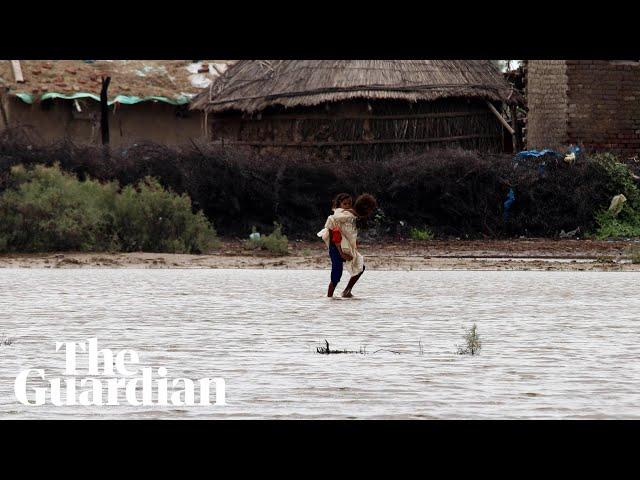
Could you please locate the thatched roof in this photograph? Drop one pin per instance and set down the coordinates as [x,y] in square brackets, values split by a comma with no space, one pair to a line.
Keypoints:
[173,81]
[252,85]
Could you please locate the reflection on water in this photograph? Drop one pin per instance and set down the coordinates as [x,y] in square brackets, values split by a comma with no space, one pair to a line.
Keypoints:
[555,344]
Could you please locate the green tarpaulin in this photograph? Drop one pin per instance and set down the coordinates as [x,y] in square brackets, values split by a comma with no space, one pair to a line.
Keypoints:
[124,99]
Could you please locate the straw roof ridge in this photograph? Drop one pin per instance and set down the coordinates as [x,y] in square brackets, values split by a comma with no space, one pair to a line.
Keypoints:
[252,85]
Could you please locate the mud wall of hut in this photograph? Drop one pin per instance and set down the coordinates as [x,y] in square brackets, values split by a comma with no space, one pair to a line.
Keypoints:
[594,103]
[361,129]
[53,120]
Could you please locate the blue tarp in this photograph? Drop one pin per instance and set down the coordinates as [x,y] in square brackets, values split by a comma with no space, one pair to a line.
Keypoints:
[545,152]
[537,153]
[511,197]
[542,155]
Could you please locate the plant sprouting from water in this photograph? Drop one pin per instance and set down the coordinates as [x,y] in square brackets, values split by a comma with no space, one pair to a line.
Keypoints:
[472,343]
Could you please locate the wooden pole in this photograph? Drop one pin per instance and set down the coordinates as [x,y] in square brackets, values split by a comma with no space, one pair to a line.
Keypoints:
[500,117]
[5,118]
[104,109]
[517,144]
[17,71]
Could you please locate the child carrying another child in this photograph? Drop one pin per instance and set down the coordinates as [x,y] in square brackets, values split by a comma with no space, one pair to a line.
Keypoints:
[340,234]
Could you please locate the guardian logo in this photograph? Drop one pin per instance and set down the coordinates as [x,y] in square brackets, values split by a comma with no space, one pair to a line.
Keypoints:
[116,373]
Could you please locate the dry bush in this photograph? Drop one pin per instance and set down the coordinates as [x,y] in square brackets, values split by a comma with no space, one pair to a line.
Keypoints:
[455,192]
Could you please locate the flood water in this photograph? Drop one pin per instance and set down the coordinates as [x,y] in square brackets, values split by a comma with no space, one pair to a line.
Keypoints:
[555,344]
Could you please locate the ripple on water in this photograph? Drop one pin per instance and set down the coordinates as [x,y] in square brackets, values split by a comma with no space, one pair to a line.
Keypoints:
[555,344]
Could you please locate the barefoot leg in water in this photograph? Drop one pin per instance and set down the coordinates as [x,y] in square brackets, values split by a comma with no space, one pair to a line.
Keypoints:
[332,287]
[352,281]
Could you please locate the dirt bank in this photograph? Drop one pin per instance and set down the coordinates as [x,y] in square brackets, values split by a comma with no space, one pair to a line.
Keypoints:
[406,255]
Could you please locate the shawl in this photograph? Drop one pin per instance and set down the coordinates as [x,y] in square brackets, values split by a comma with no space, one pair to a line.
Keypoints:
[346,222]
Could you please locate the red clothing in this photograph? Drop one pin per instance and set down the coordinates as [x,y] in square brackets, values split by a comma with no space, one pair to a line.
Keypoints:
[336,236]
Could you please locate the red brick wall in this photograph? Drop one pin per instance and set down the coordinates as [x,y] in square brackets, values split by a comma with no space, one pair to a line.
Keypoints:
[604,105]
[546,91]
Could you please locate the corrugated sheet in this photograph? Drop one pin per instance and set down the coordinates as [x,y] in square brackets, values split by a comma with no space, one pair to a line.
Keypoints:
[132,81]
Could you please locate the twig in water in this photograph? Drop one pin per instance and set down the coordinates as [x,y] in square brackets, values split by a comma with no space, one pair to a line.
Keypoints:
[326,350]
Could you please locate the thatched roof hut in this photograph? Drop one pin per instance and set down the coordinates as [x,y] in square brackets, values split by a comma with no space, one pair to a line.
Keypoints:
[346,107]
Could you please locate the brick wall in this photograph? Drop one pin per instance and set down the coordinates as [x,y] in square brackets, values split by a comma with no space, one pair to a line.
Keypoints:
[604,105]
[546,91]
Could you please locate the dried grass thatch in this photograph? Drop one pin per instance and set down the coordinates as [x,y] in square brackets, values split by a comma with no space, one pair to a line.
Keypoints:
[253,85]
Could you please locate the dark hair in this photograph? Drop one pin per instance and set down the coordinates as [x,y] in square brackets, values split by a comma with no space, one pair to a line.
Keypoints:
[339,199]
[365,204]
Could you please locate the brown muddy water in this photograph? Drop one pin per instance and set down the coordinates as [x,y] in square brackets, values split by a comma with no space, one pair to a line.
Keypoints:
[555,344]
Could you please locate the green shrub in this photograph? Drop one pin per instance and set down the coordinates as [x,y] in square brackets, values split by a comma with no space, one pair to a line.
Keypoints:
[275,242]
[625,225]
[618,176]
[44,209]
[619,179]
[150,218]
[421,234]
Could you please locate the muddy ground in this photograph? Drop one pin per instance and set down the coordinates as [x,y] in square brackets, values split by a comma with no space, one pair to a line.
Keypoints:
[522,254]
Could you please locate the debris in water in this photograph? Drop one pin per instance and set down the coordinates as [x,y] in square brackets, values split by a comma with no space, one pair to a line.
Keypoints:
[326,350]
[363,350]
